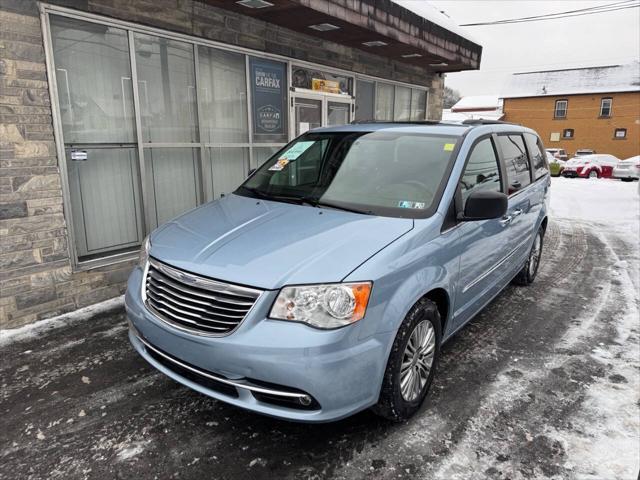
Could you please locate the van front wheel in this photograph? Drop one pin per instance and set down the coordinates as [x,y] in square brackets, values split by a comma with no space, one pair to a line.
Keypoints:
[412,363]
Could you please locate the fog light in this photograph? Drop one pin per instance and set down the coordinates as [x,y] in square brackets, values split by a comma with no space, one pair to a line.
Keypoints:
[305,400]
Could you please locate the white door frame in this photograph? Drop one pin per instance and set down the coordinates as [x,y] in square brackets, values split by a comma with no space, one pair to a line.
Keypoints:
[324,99]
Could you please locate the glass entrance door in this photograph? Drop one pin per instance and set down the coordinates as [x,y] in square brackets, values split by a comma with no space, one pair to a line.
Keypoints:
[318,110]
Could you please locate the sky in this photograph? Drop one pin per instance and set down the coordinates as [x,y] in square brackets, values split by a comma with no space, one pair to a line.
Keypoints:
[608,38]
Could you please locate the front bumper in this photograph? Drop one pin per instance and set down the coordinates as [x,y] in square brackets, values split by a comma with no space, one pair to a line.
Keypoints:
[265,360]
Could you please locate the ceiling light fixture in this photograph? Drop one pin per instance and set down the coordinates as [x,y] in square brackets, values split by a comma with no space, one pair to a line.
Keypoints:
[441,64]
[375,43]
[411,55]
[255,3]
[324,27]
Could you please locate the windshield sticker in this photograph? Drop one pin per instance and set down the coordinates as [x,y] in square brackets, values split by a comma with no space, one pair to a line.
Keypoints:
[279,165]
[296,150]
[409,204]
[448,147]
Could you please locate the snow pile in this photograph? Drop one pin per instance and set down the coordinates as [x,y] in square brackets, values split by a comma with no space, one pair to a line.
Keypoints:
[37,329]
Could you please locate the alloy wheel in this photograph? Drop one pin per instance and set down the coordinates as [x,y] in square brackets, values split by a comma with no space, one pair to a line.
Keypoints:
[417,360]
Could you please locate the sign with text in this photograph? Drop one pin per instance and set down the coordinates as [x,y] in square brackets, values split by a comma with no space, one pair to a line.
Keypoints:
[328,86]
[268,90]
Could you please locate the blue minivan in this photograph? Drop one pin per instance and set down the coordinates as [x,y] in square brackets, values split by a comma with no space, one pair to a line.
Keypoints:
[328,281]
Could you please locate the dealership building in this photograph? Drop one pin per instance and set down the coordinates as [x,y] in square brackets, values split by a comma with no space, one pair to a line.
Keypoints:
[119,115]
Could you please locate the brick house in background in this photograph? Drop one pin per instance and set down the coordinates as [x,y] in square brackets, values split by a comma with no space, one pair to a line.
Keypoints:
[596,108]
[116,116]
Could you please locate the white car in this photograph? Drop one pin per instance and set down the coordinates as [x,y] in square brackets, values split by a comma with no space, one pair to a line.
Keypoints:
[628,170]
[558,153]
[598,165]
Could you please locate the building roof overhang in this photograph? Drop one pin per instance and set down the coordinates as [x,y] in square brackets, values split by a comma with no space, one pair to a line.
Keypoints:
[407,36]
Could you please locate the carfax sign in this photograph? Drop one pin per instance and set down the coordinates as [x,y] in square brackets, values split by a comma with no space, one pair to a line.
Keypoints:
[268,89]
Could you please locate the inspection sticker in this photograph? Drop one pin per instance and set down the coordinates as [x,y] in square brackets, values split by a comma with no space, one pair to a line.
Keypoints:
[448,147]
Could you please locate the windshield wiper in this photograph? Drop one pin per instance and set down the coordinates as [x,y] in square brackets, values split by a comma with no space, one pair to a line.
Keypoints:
[280,198]
[343,208]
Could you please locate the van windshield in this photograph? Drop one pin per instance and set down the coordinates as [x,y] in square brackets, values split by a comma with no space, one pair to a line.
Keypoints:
[379,173]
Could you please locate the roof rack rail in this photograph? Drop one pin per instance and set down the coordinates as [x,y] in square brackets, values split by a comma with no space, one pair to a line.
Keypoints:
[482,121]
[404,122]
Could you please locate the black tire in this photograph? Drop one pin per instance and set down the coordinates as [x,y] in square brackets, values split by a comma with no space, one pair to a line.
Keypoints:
[391,404]
[527,275]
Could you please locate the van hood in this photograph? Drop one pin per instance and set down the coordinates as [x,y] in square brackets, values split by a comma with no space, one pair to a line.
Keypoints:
[269,244]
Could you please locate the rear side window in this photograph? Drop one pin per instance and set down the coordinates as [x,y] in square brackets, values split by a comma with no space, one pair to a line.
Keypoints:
[540,167]
[482,171]
[516,162]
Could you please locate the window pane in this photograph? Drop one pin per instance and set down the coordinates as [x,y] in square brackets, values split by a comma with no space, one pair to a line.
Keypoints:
[402,104]
[228,168]
[364,100]
[166,85]
[172,176]
[223,96]
[384,101]
[262,154]
[516,162]
[94,81]
[418,104]
[538,157]
[319,80]
[105,200]
[481,172]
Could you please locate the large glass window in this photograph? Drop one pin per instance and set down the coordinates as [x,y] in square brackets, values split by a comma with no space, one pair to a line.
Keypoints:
[93,74]
[482,171]
[418,104]
[365,95]
[229,168]
[173,180]
[402,104]
[516,162]
[384,101]
[223,96]
[166,84]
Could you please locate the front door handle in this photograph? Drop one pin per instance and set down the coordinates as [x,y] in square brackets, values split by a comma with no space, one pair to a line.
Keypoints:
[506,220]
[516,212]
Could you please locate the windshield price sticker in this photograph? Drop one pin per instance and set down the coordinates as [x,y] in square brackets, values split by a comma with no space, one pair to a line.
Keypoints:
[296,150]
[409,204]
[448,147]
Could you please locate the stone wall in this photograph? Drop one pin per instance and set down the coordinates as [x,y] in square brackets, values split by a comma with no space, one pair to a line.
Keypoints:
[36,278]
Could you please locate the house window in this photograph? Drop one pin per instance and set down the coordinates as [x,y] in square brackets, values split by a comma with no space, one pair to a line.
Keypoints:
[567,133]
[561,109]
[605,107]
[620,133]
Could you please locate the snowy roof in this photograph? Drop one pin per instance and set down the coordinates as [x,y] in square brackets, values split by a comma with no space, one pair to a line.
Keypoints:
[574,81]
[477,102]
[449,116]
[429,12]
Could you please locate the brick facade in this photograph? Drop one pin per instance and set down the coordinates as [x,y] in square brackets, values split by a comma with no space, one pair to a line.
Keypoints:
[37,280]
[590,130]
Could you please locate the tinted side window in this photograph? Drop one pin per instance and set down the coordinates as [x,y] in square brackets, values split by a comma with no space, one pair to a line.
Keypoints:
[538,158]
[516,162]
[482,171]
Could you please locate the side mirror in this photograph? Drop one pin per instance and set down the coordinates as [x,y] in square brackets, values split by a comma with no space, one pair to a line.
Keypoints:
[484,205]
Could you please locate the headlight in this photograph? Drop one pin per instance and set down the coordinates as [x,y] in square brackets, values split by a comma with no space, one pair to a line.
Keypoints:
[323,306]
[144,252]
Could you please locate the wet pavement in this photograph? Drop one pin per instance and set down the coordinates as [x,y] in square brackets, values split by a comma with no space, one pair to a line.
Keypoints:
[542,384]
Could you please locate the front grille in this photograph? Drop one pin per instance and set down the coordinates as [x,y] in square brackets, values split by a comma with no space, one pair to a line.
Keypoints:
[196,303]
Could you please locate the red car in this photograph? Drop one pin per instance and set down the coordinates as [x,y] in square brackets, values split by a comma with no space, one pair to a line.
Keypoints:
[599,165]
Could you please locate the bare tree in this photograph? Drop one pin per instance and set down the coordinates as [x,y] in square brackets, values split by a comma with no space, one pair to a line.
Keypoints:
[450,97]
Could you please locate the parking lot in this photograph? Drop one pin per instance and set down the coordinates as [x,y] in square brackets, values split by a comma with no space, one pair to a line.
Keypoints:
[542,384]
